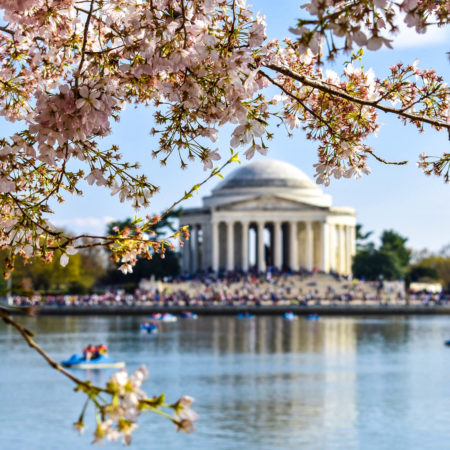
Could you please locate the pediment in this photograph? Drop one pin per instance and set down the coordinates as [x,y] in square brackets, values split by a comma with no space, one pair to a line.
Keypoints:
[270,203]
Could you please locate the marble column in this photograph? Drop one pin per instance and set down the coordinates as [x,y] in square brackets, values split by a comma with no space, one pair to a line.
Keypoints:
[230,246]
[244,246]
[348,248]
[215,245]
[309,246]
[332,247]
[353,240]
[205,239]
[293,247]
[194,248]
[261,248]
[201,247]
[342,250]
[278,256]
[325,242]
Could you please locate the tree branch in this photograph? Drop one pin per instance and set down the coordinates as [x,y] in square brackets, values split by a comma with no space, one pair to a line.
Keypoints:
[351,98]
[325,122]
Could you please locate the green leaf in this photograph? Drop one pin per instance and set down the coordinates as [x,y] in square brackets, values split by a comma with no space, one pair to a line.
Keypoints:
[235,158]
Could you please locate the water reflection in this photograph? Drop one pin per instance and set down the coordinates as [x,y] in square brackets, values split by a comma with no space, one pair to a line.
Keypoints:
[259,383]
[269,334]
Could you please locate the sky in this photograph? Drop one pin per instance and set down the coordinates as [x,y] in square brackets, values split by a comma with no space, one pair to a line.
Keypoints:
[399,198]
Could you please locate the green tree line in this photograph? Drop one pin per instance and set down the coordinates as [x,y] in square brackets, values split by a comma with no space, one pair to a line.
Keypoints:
[392,260]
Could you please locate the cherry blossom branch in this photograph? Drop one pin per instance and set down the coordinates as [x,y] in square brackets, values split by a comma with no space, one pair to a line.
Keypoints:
[392,163]
[7,30]
[323,121]
[344,95]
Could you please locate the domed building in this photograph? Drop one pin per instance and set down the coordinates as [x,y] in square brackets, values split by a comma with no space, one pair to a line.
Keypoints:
[269,214]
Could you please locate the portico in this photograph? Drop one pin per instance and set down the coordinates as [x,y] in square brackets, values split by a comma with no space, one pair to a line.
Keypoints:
[269,214]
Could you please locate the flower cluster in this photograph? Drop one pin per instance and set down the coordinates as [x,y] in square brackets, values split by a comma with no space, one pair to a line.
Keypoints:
[117,419]
[435,166]
[120,416]
[366,23]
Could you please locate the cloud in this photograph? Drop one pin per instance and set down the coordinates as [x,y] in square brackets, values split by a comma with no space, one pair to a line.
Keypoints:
[409,38]
[85,224]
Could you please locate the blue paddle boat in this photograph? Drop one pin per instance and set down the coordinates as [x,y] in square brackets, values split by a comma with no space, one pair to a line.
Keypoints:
[188,315]
[166,317]
[312,317]
[289,316]
[244,315]
[79,361]
[149,327]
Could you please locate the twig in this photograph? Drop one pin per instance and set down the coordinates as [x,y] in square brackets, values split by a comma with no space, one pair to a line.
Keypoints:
[85,36]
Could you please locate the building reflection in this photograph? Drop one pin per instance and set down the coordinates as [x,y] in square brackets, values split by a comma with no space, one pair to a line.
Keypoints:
[272,376]
[267,334]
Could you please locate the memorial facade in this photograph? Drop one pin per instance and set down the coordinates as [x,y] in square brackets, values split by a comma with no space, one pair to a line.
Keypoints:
[269,214]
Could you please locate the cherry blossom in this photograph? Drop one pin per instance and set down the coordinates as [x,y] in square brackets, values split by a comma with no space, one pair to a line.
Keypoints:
[209,157]
[368,23]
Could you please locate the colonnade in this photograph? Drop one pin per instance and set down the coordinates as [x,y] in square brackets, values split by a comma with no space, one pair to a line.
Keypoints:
[294,244]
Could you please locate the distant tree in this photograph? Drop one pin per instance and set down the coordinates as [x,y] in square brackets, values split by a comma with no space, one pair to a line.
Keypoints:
[420,272]
[3,288]
[362,237]
[441,265]
[77,277]
[390,260]
[445,251]
[371,263]
[394,242]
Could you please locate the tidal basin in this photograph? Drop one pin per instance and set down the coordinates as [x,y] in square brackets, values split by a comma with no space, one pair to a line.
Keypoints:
[259,383]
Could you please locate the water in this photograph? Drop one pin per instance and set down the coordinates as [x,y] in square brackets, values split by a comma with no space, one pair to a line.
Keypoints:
[262,383]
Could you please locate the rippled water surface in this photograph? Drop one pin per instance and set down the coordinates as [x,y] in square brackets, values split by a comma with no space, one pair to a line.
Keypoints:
[262,383]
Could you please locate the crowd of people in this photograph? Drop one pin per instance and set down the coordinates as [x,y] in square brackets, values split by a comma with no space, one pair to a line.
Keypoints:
[241,289]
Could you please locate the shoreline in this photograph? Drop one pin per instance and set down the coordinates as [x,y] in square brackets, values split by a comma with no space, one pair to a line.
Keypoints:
[325,310]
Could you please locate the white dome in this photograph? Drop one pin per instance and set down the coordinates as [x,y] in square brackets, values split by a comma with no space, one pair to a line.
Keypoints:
[267,173]
[267,177]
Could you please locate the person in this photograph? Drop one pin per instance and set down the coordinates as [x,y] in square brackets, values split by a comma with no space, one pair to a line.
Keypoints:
[101,349]
[89,352]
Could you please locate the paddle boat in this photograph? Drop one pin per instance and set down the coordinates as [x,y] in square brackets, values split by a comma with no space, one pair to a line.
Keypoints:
[92,357]
[166,317]
[312,317]
[244,315]
[289,316]
[189,315]
[149,327]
